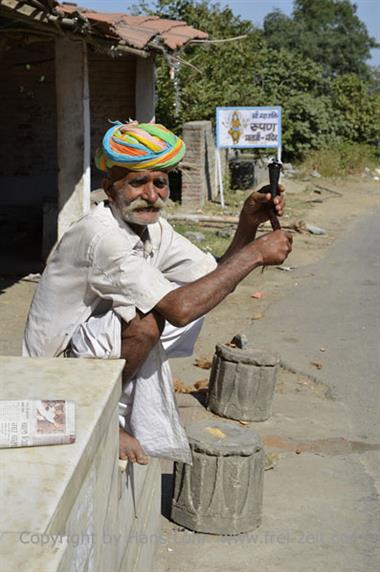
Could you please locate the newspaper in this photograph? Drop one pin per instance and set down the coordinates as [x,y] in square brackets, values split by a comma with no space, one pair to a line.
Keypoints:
[31,422]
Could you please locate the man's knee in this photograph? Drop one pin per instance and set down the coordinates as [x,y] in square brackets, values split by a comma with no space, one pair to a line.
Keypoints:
[145,327]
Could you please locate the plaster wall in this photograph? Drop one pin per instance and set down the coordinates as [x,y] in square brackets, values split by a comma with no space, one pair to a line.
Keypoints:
[73,121]
[145,90]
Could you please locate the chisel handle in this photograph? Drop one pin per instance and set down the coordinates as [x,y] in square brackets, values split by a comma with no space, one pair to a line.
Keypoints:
[274,177]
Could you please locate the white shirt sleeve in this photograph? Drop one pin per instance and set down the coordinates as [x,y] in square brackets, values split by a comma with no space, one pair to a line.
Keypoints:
[184,262]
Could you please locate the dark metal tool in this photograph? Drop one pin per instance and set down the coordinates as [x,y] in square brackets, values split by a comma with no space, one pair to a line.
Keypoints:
[274,177]
[275,168]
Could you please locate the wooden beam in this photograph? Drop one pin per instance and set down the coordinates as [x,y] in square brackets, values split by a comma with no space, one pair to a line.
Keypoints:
[23,10]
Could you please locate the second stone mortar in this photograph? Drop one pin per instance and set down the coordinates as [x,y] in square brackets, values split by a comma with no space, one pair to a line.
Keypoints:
[222,492]
[242,383]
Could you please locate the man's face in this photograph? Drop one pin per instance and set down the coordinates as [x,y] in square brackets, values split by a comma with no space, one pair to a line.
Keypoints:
[138,196]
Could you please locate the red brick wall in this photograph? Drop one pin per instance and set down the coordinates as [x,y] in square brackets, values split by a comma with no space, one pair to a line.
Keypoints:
[198,170]
[28,116]
[112,96]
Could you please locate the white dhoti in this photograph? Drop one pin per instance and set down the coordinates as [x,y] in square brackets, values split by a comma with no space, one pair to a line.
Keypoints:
[147,407]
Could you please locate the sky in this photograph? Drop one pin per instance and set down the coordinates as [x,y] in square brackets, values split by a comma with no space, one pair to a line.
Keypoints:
[256,10]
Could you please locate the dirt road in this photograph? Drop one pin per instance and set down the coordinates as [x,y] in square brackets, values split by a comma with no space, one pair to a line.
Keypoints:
[318,501]
[339,204]
[320,509]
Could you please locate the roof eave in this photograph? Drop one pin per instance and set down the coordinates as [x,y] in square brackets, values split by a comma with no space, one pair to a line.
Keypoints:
[55,21]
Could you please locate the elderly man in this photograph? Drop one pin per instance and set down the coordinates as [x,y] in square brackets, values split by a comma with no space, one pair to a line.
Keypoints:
[122,283]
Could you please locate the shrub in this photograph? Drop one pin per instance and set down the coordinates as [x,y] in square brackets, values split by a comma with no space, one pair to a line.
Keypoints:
[339,160]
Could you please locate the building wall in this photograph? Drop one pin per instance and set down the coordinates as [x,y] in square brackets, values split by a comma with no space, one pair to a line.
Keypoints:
[28,137]
[28,117]
[28,153]
[112,97]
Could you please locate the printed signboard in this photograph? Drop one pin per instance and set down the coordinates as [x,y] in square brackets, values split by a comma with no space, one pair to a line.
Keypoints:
[248,127]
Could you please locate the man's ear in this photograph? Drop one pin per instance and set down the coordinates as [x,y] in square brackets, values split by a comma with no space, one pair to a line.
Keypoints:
[108,188]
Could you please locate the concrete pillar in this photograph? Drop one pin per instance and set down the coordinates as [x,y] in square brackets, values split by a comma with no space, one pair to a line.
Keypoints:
[242,383]
[73,127]
[222,491]
[145,90]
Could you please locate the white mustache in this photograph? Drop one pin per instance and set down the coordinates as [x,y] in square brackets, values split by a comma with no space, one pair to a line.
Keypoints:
[142,204]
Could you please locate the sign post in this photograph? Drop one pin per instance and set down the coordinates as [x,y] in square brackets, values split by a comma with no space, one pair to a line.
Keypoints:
[219,176]
[247,128]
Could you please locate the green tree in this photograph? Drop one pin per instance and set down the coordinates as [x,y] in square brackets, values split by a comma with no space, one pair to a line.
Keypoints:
[302,90]
[318,109]
[375,79]
[326,31]
[207,75]
[210,17]
[356,110]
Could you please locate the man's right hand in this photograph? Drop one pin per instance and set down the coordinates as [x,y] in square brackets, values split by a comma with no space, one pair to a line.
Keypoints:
[274,247]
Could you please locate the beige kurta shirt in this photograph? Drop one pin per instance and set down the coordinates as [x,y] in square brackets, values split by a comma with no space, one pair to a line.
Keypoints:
[101,264]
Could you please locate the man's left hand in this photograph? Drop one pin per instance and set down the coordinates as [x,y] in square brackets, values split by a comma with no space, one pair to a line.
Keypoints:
[257,206]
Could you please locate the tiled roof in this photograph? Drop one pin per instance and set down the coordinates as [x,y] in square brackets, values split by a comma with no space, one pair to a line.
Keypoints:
[138,32]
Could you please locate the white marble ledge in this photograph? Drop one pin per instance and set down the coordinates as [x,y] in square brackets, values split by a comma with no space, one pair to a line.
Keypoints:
[34,480]
[36,553]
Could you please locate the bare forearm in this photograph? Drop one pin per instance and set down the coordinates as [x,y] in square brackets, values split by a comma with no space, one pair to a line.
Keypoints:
[137,339]
[244,254]
[189,302]
[244,235]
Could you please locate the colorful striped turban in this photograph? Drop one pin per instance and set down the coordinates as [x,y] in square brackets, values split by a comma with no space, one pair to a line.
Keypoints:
[139,147]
